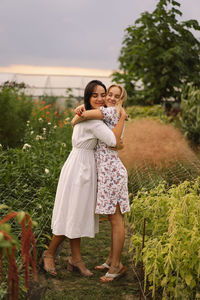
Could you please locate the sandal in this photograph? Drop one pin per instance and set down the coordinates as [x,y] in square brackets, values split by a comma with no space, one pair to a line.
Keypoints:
[72,267]
[103,267]
[108,277]
[51,271]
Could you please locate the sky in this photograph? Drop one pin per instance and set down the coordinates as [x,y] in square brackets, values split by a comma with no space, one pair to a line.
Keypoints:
[73,36]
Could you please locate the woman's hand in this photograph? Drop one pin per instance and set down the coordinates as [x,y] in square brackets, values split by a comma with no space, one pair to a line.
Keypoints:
[119,146]
[80,109]
[76,119]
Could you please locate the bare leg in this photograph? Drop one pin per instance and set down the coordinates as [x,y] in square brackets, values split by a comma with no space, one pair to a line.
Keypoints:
[55,242]
[49,254]
[117,234]
[118,237]
[76,258]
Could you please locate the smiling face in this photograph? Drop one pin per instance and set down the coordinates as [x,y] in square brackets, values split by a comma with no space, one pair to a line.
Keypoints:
[98,96]
[113,96]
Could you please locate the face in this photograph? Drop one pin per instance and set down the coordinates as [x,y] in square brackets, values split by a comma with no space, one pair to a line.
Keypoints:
[98,97]
[113,96]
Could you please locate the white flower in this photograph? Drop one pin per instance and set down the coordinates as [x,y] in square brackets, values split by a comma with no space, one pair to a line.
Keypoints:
[40,119]
[44,130]
[46,171]
[32,132]
[28,122]
[26,146]
[38,137]
[49,123]
[55,127]
[67,119]
[0,145]
[63,145]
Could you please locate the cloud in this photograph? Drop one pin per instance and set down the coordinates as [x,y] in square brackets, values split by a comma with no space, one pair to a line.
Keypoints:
[78,33]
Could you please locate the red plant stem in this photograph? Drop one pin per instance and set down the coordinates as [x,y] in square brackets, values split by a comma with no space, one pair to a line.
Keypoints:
[1,266]
[27,241]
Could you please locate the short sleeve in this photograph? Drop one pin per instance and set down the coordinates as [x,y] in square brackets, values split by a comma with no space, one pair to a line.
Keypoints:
[103,133]
[107,115]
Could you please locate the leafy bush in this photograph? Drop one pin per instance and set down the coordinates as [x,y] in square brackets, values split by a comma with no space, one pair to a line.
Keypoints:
[171,251]
[190,119]
[29,176]
[15,110]
[155,111]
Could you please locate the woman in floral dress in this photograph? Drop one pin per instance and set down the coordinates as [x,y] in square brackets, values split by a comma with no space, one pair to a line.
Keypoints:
[112,192]
[74,207]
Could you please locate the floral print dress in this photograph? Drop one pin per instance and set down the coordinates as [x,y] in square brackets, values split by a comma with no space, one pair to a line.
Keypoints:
[112,175]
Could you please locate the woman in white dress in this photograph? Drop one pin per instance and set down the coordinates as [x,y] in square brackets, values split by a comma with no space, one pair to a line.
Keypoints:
[74,208]
[112,179]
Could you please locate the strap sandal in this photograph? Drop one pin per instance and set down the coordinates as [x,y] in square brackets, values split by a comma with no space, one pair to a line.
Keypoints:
[74,267]
[108,277]
[103,267]
[50,270]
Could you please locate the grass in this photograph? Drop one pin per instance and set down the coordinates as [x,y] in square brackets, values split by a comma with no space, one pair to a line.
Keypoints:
[73,286]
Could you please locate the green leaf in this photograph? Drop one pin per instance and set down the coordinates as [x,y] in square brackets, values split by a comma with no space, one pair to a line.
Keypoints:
[3,206]
[20,216]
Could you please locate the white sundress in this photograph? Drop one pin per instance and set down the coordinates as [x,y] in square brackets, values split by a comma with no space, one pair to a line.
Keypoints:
[75,202]
[112,182]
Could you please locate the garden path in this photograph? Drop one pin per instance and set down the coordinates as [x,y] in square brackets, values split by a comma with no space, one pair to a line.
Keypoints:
[73,286]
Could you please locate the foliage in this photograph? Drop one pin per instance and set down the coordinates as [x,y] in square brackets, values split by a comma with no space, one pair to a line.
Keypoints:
[46,113]
[148,176]
[15,110]
[190,117]
[159,53]
[29,176]
[171,251]
[155,111]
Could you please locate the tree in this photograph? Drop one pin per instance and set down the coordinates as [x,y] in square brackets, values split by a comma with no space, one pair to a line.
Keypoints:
[158,55]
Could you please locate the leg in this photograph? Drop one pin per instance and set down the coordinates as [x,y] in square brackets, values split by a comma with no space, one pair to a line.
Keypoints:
[109,258]
[49,255]
[118,237]
[76,258]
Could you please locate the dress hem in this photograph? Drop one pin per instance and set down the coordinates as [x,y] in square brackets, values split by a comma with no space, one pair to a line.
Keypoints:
[76,236]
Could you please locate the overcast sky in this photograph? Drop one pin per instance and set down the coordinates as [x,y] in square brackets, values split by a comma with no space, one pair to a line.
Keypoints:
[71,33]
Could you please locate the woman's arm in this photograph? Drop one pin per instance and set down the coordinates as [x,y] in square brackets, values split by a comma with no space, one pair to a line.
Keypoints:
[106,135]
[117,130]
[93,114]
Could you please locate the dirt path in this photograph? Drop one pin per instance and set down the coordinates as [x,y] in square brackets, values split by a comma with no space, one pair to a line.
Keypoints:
[73,286]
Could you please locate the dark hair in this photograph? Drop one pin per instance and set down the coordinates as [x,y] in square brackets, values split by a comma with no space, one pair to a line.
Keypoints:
[89,89]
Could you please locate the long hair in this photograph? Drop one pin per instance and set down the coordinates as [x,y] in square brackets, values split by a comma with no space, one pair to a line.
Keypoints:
[123,95]
[89,89]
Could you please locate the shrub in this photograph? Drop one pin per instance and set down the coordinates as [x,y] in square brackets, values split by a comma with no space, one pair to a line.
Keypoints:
[190,119]
[155,111]
[15,110]
[171,250]
[29,176]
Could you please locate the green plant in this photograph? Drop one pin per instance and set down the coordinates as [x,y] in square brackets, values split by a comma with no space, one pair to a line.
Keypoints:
[190,117]
[28,176]
[15,110]
[171,250]
[159,53]
[155,111]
